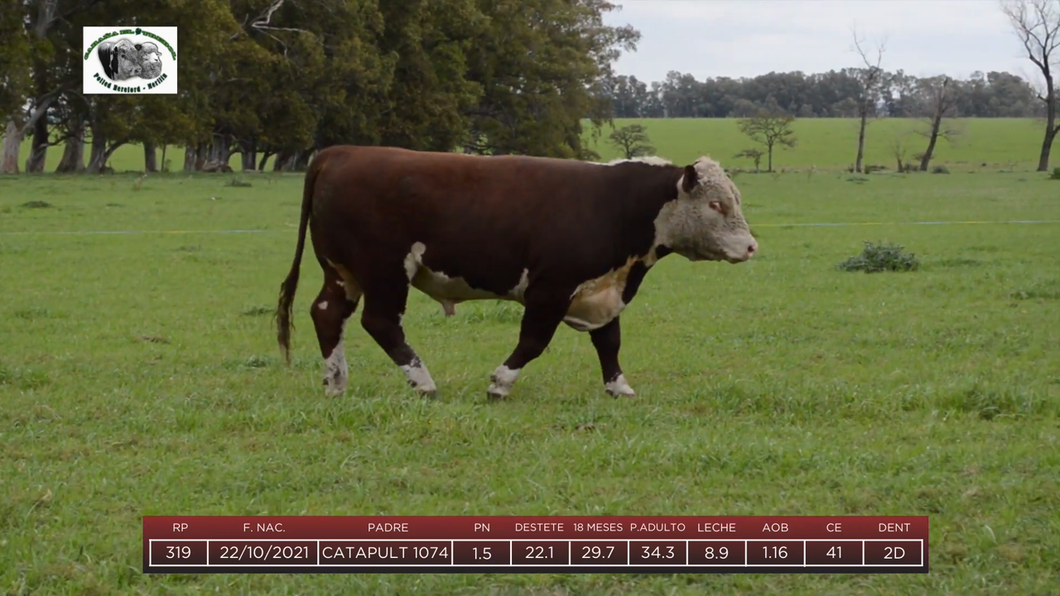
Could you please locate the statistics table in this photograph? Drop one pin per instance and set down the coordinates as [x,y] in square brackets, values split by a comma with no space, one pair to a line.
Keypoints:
[314,544]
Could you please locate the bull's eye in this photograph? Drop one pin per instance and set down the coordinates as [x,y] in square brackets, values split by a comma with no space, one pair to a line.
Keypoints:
[716,205]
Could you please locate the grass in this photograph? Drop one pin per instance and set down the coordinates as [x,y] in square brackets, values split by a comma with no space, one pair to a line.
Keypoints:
[828,143]
[139,376]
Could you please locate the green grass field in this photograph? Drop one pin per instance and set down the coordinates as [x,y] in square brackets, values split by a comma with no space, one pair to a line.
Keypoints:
[830,143]
[139,376]
[827,143]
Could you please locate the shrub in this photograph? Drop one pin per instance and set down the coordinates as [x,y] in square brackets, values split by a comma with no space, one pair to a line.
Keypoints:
[910,167]
[875,258]
[940,170]
[1055,175]
[874,168]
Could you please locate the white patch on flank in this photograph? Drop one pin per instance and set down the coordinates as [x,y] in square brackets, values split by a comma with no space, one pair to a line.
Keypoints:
[336,371]
[503,380]
[353,291]
[414,260]
[323,305]
[419,377]
[519,290]
[597,302]
[619,387]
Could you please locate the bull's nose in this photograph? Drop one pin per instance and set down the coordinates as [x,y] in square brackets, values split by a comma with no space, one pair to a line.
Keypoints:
[751,250]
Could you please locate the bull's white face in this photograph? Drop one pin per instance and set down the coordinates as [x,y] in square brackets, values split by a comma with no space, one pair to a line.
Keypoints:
[706,221]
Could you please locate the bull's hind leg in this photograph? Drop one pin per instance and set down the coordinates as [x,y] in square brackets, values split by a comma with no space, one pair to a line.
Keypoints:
[381,318]
[608,340]
[333,306]
[543,315]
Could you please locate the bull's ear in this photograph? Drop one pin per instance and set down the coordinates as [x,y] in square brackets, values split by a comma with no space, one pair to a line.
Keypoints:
[688,181]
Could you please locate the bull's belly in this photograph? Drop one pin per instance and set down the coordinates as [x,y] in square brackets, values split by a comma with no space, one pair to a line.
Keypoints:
[441,287]
[598,301]
[593,310]
[594,303]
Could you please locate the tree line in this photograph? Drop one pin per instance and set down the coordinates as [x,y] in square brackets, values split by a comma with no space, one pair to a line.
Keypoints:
[281,78]
[833,94]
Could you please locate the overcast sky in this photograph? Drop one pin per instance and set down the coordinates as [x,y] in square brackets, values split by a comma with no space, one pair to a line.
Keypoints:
[745,38]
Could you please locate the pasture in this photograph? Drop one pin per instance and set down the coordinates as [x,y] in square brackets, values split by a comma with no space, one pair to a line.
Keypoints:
[139,376]
[827,143]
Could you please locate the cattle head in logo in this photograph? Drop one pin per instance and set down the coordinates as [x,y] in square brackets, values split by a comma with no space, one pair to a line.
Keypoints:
[121,59]
[150,60]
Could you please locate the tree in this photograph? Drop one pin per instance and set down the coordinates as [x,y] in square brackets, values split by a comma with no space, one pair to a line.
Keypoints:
[899,150]
[870,79]
[769,128]
[1037,25]
[754,155]
[542,65]
[632,140]
[939,102]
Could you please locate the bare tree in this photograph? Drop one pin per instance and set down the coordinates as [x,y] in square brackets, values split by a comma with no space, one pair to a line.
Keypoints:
[899,150]
[769,128]
[939,102]
[632,140]
[870,80]
[1037,25]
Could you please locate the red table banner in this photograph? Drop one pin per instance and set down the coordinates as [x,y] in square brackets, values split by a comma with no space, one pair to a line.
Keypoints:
[495,544]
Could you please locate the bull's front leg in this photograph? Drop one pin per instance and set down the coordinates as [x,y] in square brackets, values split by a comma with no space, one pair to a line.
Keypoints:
[543,315]
[608,340]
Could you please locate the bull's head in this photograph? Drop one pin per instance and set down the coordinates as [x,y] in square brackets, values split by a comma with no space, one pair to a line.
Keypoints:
[706,222]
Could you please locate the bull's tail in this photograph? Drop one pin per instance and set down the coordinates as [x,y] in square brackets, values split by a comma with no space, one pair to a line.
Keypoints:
[284,324]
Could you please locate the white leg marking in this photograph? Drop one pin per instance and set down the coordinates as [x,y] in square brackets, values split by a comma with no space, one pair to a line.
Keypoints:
[337,373]
[419,377]
[323,305]
[341,283]
[503,379]
[619,387]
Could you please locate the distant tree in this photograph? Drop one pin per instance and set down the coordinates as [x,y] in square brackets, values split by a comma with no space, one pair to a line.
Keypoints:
[870,80]
[754,155]
[769,128]
[1037,25]
[939,103]
[632,140]
[899,150]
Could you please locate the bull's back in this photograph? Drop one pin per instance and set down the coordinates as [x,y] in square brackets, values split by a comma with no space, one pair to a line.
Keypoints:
[456,203]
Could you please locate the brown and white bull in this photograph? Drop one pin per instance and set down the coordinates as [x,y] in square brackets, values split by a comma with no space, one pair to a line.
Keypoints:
[571,241]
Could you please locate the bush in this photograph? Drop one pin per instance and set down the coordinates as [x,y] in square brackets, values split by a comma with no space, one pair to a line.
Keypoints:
[875,258]
[1055,175]
[910,167]
[940,170]
[874,168]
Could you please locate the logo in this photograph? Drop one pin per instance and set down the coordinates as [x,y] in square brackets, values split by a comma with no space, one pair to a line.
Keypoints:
[131,61]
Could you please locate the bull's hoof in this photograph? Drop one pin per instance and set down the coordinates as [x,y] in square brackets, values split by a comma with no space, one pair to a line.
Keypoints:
[494,393]
[619,388]
[429,393]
